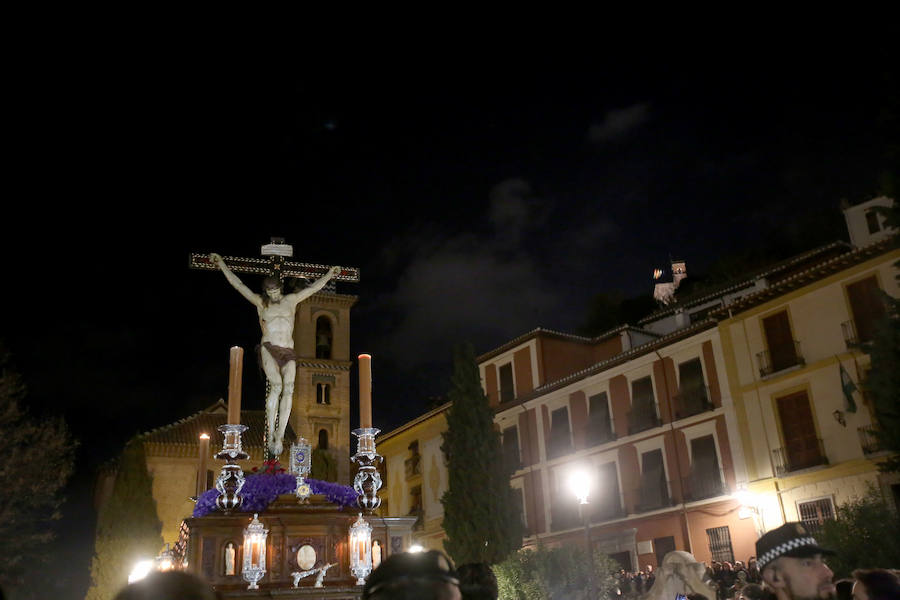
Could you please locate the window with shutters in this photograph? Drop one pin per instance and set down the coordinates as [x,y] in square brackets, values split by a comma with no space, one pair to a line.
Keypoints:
[783,351]
[866,306]
[654,489]
[706,477]
[607,499]
[560,434]
[643,413]
[693,397]
[600,428]
[507,391]
[511,448]
[802,448]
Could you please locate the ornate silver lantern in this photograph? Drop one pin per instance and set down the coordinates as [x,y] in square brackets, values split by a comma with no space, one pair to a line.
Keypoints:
[360,550]
[254,552]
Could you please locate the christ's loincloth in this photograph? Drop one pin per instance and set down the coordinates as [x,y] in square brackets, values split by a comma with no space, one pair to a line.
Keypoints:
[281,354]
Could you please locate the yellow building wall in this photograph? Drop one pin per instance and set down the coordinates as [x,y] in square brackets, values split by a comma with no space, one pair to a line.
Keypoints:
[815,313]
[394,447]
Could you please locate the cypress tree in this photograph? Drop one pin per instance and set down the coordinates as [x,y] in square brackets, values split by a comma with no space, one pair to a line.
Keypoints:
[884,378]
[481,515]
[38,458]
[128,527]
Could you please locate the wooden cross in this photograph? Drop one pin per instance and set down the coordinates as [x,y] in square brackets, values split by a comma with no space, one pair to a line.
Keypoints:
[273,264]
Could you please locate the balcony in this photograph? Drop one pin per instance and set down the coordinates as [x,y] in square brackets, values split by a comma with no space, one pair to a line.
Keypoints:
[799,454]
[779,358]
[851,339]
[564,514]
[413,466]
[641,418]
[701,484]
[607,511]
[692,401]
[653,495]
[600,433]
[419,513]
[868,439]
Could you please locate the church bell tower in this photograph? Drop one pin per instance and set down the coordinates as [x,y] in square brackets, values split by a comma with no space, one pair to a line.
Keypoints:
[321,404]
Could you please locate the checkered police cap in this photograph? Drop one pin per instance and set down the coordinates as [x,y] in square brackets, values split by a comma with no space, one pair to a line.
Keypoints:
[791,539]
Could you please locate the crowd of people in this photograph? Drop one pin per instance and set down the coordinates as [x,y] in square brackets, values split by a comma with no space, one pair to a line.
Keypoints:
[789,565]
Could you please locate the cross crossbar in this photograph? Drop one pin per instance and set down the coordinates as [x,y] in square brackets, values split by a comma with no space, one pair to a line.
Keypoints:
[272,265]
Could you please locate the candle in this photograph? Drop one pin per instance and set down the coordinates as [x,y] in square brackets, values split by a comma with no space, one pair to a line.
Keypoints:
[201,470]
[235,370]
[365,390]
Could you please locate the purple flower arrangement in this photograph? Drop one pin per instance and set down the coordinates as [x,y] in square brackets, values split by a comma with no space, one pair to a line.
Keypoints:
[261,489]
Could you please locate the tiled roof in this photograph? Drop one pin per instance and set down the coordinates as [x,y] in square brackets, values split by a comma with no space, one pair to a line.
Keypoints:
[182,437]
[540,331]
[806,276]
[769,271]
[610,362]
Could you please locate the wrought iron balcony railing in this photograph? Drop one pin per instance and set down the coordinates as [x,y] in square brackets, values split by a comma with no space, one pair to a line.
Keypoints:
[799,454]
[413,466]
[851,339]
[779,358]
[641,418]
[607,511]
[653,495]
[600,433]
[868,439]
[692,401]
[702,484]
[564,514]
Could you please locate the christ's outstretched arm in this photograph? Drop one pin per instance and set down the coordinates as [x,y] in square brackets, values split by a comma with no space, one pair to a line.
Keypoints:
[315,287]
[235,282]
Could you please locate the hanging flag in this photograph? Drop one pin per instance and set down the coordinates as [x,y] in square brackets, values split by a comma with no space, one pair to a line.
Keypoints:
[849,387]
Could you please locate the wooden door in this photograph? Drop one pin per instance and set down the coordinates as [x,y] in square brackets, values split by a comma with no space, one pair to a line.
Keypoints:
[801,445]
[866,305]
[780,341]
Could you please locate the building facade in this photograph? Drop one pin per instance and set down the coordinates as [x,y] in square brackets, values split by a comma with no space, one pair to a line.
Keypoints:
[414,475]
[719,416]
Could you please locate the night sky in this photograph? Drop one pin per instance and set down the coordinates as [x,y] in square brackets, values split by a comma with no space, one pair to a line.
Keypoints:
[479,203]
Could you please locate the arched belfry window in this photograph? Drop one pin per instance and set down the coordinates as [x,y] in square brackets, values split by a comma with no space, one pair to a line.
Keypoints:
[323,393]
[324,337]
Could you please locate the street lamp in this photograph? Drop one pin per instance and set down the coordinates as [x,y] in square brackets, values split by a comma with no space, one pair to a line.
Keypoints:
[749,508]
[580,484]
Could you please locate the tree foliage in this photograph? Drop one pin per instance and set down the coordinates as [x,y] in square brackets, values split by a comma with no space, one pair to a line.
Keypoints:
[481,513]
[865,534]
[555,573]
[38,458]
[883,383]
[128,528]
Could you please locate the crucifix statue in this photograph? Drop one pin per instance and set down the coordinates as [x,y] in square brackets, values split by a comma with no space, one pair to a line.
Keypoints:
[276,319]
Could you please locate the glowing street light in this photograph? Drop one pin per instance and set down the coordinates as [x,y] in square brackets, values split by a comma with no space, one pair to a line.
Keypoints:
[580,484]
[140,570]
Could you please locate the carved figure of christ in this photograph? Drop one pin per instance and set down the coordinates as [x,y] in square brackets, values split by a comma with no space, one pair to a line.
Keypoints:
[276,320]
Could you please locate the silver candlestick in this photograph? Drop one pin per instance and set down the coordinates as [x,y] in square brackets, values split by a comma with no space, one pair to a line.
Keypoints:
[231,478]
[368,480]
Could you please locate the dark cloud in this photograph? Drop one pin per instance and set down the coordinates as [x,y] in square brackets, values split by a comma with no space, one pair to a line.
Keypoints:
[619,122]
